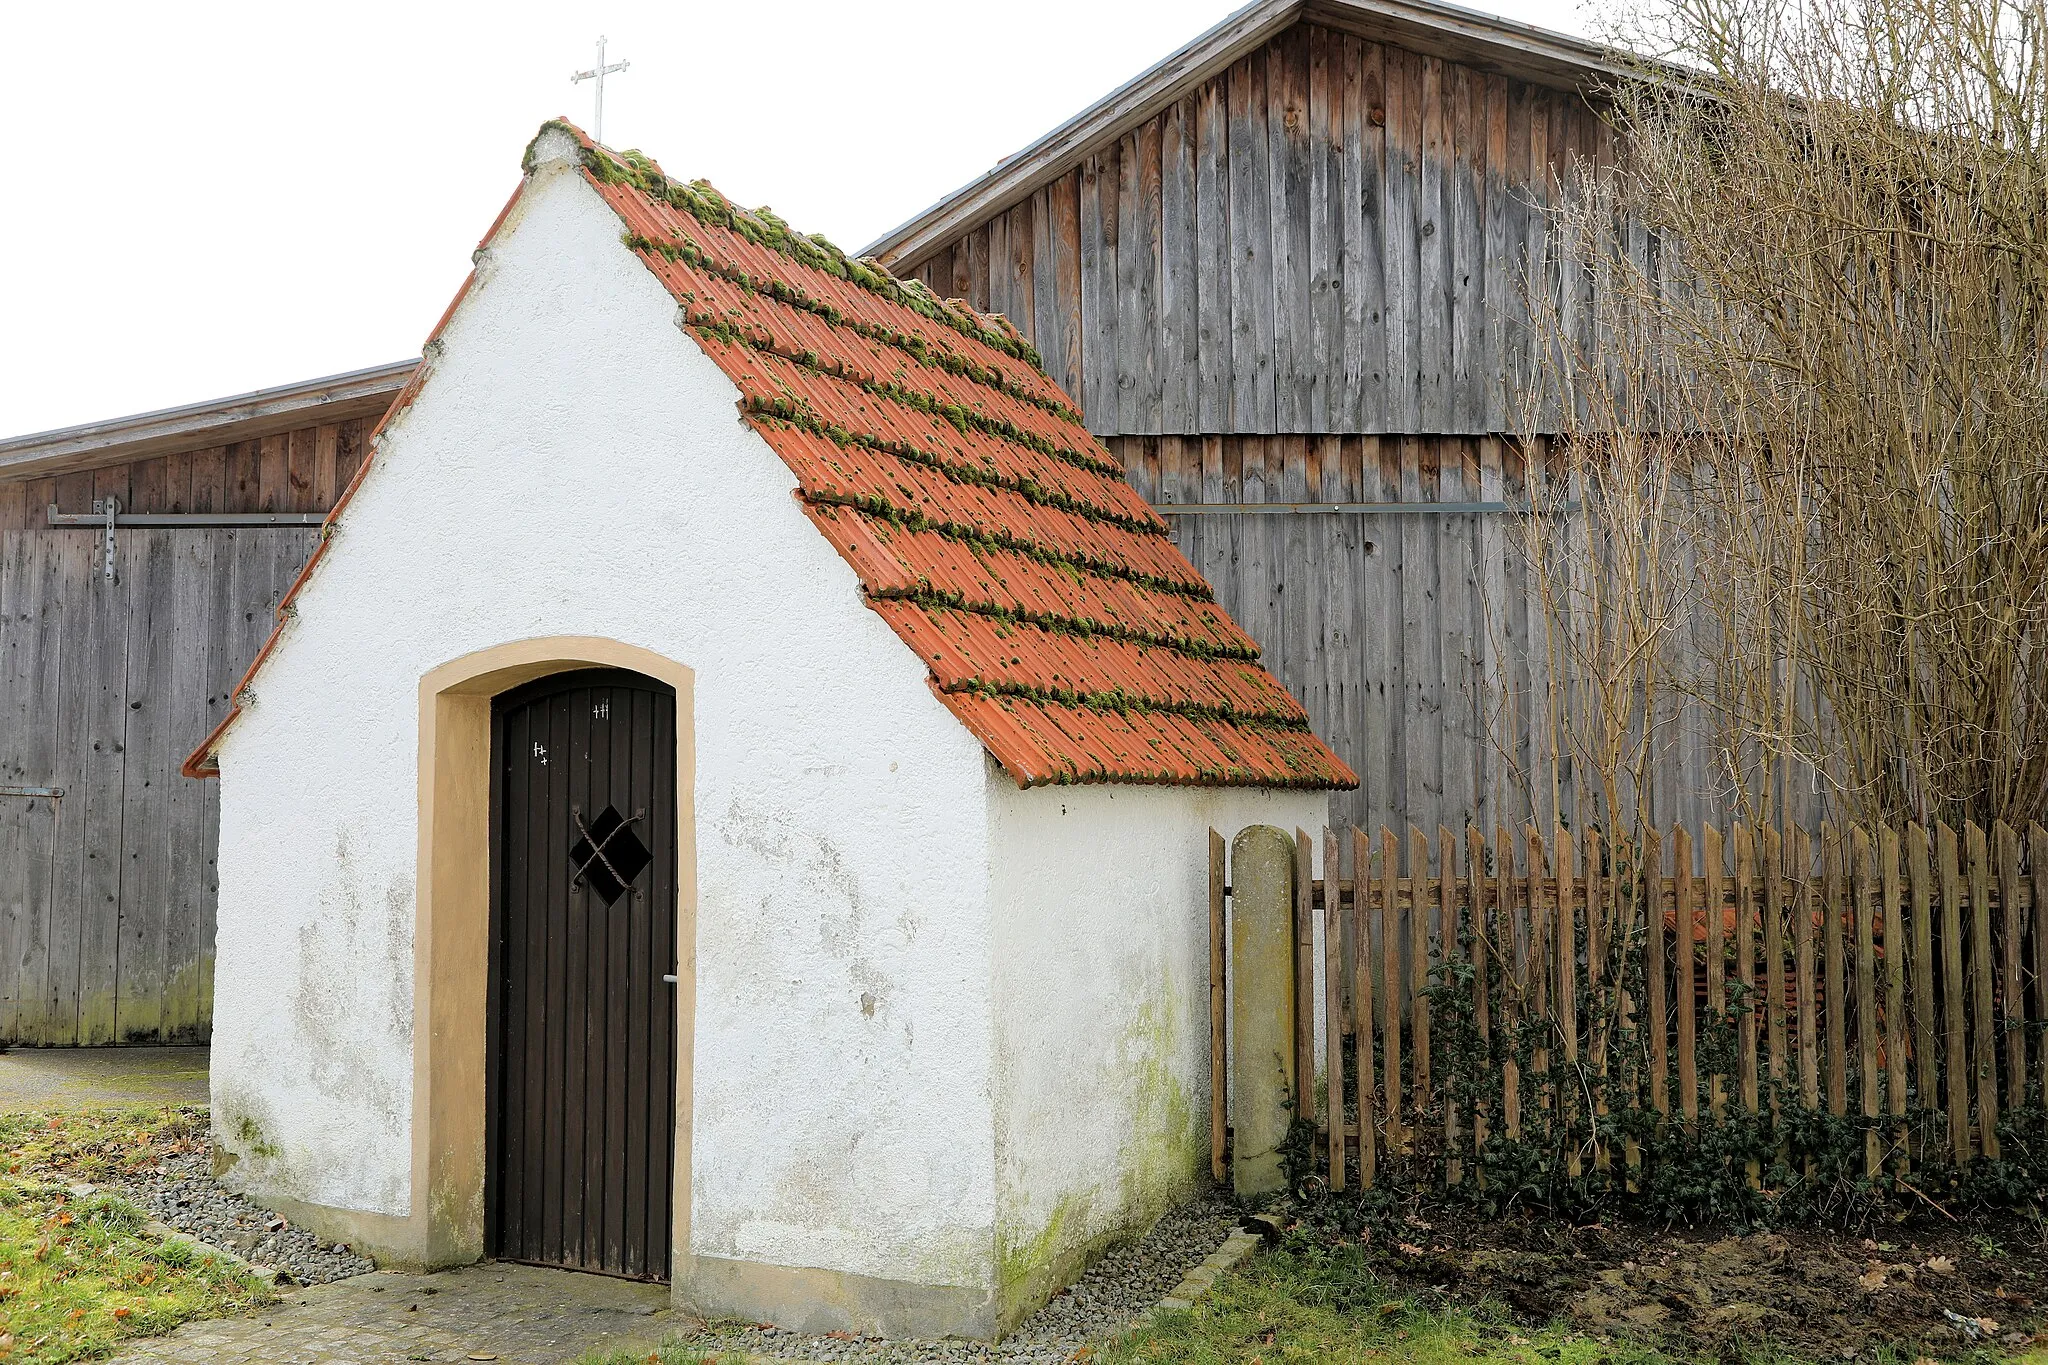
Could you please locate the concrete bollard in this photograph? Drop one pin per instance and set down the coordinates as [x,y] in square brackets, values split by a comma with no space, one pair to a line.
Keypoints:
[1262,1005]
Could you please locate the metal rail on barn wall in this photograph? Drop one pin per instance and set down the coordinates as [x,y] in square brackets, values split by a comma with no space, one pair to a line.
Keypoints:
[1482,990]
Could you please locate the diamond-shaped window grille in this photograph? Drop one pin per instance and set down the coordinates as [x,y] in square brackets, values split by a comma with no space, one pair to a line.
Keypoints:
[607,854]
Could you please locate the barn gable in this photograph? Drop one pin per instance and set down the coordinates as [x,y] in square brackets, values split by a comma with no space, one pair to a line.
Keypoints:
[1284,272]
[1311,219]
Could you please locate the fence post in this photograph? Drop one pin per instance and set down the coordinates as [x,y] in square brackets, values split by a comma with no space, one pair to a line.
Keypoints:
[1219,1083]
[1262,1064]
[1304,976]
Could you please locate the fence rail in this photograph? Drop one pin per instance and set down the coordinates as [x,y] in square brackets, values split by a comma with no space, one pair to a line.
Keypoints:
[1473,986]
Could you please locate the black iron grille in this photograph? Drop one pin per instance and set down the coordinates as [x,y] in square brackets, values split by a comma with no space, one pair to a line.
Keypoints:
[608,855]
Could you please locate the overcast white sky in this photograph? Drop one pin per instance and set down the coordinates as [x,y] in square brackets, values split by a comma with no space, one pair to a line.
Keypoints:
[209,198]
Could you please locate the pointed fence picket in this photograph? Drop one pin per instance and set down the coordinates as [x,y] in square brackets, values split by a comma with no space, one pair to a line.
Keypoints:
[1905,968]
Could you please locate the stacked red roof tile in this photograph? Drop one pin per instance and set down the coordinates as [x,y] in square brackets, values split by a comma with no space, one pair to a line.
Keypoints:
[989,528]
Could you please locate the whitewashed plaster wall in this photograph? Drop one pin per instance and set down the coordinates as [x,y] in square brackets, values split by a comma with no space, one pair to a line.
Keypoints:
[575,466]
[1101,902]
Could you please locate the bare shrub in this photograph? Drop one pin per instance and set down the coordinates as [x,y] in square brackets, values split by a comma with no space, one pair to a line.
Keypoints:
[1800,410]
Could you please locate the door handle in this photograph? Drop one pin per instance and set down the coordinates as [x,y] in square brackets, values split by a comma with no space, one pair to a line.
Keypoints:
[670,978]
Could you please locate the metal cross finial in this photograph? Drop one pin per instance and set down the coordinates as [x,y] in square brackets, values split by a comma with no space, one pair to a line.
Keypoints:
[598,73]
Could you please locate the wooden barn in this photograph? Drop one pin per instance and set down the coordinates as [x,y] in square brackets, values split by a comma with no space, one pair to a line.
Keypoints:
[1282,270]
[141,564]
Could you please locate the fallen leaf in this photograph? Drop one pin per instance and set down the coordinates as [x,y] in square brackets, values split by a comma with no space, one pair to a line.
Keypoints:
[1987,1325]
[122,1312]
[1941,1265]
[1872,1281]
[1408,1248]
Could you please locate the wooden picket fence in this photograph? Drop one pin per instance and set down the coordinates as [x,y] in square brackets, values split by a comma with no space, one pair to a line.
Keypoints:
[1903,972]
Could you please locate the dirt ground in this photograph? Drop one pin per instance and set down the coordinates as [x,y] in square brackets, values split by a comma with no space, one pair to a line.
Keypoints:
[1818,1295]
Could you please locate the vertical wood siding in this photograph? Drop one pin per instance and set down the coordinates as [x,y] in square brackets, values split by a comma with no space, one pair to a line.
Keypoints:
[1329,237]
[1416,642]
[107,895]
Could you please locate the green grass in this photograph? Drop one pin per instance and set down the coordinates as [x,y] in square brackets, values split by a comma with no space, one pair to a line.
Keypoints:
[671,1353]
[79,1274]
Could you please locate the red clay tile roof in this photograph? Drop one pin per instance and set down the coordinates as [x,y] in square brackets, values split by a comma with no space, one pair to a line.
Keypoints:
[993,533]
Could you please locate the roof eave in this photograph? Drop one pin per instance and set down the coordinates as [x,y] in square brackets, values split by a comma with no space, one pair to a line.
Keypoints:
[1451,31]
[195,426]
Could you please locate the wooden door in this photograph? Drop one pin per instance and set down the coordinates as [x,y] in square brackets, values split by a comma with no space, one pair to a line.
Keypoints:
[581,1104]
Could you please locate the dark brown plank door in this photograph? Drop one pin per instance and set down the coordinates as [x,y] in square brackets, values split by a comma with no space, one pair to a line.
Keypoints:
[581,1040]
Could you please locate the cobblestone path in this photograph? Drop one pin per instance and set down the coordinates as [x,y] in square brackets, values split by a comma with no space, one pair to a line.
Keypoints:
[514,1314]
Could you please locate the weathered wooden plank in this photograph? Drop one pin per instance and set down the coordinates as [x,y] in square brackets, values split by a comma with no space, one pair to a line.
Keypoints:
[1774,959]
[2037,870]
[1539,911]
[1214,261]
[30,619]
[1745,966]
[1685,920]
[1098,220]
[1362,1006]
[103,768]
[1804,911]
[1304,977]
[1464,206]
[2012,1014]
[1897,1035]
[1421,739]
[1401,187]
[1361,403]
[1485,957]
[1137,262]
[1219,1083]
[190,908]
[1601,921]
[1505,311]
[1712,887]
[1863,874]
[1448,932]
[1634,868]
[49,1008]
[1834,1000]
[1252,407]
[149,770]
[1390,985]
[1288,222]
[1322,362]
[1418,968]
[1657,1015]
[1433,281]
[1179,362]
[1955,1055]
[1333,1007]
[1920,887]
[1564,857]
[1983,1045]
[1514,977]
[1049,297]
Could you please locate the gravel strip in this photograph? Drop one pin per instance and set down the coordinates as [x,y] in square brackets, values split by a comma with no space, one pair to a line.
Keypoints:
[1118,1289]
[180,1192]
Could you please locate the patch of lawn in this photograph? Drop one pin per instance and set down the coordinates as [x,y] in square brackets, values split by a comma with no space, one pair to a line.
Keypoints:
[1311,1302]
[79,1272]
[671,1353]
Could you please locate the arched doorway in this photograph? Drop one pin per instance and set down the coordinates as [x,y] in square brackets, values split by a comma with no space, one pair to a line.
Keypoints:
[581,1049]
